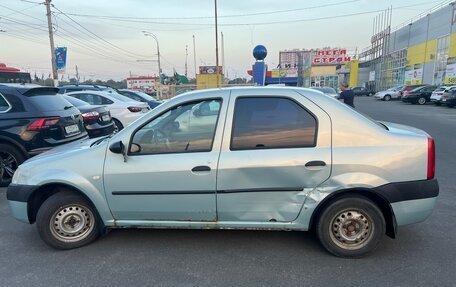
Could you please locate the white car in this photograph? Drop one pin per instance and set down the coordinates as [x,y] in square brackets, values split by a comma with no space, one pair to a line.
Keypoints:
[436,95]
[327,91]
[391,93]
[123,110]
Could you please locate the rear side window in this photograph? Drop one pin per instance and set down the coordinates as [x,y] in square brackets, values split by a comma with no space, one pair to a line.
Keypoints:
[265,123]
[93,99]
[4,105]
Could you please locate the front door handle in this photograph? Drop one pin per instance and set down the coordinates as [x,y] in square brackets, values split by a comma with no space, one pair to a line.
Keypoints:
[315,163]
[201,168]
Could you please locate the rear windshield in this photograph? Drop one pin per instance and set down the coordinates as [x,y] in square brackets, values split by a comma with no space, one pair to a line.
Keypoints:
[48,103]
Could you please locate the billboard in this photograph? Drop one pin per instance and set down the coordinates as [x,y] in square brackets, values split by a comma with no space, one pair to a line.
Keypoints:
[414,74]
[290,60]
[450,72]
[204,70]
[60,59]
[330,57]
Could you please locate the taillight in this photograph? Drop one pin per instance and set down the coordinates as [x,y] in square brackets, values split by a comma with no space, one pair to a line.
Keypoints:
[431,159]
[43,123]
[90,115]
[134,109]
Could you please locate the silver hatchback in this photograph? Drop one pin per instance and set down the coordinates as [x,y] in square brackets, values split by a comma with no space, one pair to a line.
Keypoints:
[246,158]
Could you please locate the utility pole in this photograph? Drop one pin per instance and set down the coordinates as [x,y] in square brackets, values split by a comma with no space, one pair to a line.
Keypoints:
[223,55]
[216,46]
[51,40]
[77,75]
[194,55]
[186,56]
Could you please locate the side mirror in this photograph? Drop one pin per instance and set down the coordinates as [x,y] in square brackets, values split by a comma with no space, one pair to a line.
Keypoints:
[118,147]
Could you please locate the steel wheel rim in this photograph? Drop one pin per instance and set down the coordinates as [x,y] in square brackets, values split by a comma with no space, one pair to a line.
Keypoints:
[72,223]
[8,164]
[351,229]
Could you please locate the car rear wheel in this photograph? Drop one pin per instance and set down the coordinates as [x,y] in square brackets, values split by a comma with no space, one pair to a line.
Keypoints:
[66,220]
[421,101]
[351,227]
[10,159]
[117,125]
[387,98]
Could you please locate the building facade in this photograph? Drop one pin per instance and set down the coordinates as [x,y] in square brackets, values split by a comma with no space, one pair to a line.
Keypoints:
[422,51]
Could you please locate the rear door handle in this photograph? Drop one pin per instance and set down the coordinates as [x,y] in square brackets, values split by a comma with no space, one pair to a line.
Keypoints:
[201,168]
[315,163]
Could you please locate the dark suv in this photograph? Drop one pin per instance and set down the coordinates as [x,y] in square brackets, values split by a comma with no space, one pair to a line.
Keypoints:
[33,119]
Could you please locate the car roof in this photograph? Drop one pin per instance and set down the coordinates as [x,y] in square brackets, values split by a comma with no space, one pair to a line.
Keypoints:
[25,88]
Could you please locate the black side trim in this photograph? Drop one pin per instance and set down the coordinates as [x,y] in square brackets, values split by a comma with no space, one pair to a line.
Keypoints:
[19,192]
[162,192]
[410,190]
[267,189]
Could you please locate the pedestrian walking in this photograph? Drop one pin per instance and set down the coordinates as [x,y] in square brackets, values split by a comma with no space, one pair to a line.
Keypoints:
[347,96]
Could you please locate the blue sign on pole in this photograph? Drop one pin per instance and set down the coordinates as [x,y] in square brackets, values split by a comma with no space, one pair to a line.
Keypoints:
[60,59]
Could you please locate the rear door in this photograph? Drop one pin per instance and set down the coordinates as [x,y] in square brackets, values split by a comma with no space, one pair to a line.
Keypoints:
[276,149]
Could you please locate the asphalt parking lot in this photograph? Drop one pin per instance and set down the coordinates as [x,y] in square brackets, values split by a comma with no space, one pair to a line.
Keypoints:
[422,254]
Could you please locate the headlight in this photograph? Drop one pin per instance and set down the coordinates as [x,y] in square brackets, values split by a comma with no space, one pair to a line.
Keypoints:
[20,176]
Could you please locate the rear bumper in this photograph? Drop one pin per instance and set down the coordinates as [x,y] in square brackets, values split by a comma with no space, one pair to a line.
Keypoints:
[412,201]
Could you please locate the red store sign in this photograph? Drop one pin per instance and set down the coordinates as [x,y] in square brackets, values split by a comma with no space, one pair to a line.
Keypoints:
[330,56]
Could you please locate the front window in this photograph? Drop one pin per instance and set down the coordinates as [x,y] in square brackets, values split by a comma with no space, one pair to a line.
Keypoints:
[186,128]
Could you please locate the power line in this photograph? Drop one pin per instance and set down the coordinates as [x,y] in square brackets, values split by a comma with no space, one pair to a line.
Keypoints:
[212,17]
[96,36]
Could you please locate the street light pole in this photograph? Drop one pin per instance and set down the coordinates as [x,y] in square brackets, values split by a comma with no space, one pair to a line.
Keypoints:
[216,46]
[146,33]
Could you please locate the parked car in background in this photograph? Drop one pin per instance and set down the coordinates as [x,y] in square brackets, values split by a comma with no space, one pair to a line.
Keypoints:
[33,119]
[449,97]
[408,88]
[97,119]
[361,91]
[123,110]
[259,158]
[74,88]
[436,95]
[327,91]
[419,95]
[391,93]
[140,97]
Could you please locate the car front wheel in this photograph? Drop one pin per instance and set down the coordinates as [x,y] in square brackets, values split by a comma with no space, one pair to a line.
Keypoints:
[66,220]
[387,98]
[351,227]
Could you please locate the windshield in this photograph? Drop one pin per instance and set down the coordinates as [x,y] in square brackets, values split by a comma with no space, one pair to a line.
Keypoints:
[75,102]
[145,96]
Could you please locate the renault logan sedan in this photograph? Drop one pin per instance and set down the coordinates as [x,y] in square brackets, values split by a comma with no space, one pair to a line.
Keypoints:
[247,158]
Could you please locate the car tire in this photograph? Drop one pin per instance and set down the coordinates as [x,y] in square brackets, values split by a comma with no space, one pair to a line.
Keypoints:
[387,98]
[118,125]
[10,159]
[421,101]
[351,227]
[66,221]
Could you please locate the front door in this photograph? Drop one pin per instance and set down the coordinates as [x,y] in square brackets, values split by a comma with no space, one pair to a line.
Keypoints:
[170,173]
[276,149]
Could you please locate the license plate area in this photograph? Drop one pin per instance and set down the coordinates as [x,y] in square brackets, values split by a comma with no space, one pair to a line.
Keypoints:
[105,118]
[72,129]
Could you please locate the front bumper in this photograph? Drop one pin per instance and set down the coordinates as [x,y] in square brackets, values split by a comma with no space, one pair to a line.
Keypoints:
[18,196]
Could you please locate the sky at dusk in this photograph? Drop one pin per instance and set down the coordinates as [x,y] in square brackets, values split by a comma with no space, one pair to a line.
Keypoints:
[105,38]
